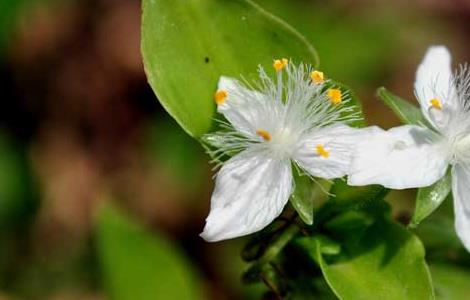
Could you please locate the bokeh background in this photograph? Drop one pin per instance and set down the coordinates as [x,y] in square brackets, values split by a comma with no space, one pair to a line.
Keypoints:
[80,128]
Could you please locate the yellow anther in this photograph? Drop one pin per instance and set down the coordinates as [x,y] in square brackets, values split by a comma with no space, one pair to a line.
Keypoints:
[220,96]
[317,76]
[280,64]
[322,151]
[436,103]
[335,95]
[264,134]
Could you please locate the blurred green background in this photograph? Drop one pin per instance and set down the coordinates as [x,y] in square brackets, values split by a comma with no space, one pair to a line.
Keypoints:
[102,195]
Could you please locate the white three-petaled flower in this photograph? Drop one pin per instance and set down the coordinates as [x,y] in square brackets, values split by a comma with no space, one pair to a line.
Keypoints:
[296,120]
[416,156]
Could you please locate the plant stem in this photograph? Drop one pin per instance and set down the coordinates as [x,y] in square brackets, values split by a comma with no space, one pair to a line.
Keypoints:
[276,247]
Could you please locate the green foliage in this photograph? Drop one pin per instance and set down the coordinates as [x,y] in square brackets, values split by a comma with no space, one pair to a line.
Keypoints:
[173,152]
[355,247]
[383,262]
[406,112]
[138,265]
[429,198]
[450,282]
[330,26]
[378,258]
[211,38]
[16,184]
[8,11]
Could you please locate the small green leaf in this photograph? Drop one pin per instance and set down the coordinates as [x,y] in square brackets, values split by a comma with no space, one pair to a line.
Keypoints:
[187,46]
[405,111]
[384,262]
[303,196]
[138,265]
[429,198]
[450,282]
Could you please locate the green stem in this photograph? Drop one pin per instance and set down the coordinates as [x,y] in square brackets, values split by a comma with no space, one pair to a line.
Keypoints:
[276,247]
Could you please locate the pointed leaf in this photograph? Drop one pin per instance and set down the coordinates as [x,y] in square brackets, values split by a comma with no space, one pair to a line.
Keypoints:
[384,262]
[405,111]
[429,198]
[138,265]
[302,198]
[188,45]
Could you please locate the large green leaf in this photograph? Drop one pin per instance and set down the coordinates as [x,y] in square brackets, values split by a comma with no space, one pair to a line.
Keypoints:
[405,111]
[385,261]
[429,198]
[138,265]
[450,282]
[187,45]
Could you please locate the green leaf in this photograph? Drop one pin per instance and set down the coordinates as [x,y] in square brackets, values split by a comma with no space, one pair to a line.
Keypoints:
[138,265]
[188,45]
[450,282]
[406,112]
[429,198]
[383,262]
[343,193]
[303,196]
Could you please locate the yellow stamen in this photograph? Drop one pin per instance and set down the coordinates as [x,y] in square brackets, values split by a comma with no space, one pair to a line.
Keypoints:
[280,64]
[322,152]
[436,103]
[220,97]
[317,76]
[264,134]
[335,96]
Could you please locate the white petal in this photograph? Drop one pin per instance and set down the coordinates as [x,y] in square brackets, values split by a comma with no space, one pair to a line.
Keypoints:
[402,157]
[461,193]
[250,192]
[339,141]
[434,80]
[243,107]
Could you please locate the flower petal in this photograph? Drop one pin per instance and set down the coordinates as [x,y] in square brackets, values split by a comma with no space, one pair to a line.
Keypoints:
[242,107]
[337,141]
[461,193]
[250,191]
[402,157]
[434,81]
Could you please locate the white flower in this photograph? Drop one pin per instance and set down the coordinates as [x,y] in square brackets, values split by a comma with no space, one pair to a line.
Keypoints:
[416,156]
[289,120]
